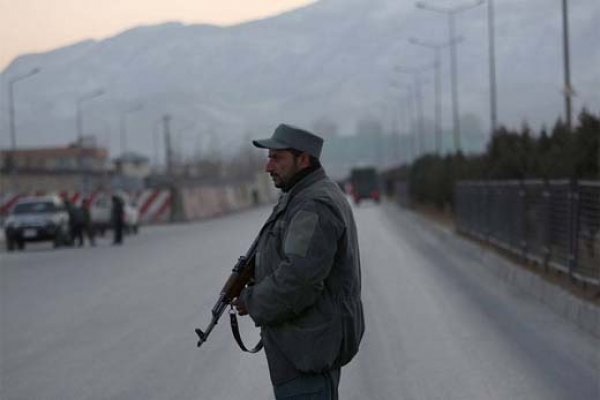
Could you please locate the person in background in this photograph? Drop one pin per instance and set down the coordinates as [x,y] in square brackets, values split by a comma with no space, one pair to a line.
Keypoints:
[75,222]
[118,219]
[88,227]
[307,293]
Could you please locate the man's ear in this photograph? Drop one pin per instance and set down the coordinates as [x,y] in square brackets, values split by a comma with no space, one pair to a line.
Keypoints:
[304,160]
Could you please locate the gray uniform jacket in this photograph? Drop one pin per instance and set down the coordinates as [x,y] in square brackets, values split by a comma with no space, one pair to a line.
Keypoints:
[308,281]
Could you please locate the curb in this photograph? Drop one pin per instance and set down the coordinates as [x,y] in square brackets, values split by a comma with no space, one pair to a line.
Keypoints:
[583,314]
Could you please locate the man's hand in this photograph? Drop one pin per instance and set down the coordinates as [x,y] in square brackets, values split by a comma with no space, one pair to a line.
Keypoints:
[239,306]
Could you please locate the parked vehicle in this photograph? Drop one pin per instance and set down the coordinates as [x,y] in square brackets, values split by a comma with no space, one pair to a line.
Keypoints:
[37,219]
[101,213]
[132,216]
[364,184]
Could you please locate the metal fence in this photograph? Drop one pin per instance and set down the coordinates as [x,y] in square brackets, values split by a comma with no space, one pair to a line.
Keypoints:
[554,223]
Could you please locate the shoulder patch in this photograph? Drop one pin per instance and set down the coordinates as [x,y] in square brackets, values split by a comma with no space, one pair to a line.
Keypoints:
[300,232]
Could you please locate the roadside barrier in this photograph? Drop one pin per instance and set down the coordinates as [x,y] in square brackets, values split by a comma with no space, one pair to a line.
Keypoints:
[553,223]
[154,205]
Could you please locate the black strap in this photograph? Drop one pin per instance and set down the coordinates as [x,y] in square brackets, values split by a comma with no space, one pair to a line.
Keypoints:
[236,334]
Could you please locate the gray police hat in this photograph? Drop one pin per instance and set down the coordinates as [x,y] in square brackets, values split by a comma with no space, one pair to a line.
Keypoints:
[290,137]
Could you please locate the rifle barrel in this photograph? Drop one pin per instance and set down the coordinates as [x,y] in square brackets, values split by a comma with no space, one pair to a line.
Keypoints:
[217,312]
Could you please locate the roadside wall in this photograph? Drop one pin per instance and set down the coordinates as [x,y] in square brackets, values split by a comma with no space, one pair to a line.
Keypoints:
[179,203]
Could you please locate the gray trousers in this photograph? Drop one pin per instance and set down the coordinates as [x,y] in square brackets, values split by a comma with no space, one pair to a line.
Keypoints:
[310,387]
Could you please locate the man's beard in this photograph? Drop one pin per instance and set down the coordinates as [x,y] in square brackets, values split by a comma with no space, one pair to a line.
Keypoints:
[282,183]
[277,181]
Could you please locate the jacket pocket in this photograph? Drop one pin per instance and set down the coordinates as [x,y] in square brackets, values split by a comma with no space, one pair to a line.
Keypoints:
[310,349]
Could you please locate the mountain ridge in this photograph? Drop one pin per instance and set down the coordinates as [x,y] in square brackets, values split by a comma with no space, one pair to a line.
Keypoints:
[331,59]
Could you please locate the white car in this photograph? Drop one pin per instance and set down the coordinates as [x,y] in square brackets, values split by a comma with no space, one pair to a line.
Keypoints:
[132,216]
[37,219]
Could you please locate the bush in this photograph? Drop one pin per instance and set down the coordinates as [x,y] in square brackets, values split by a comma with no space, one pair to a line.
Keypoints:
[510,154]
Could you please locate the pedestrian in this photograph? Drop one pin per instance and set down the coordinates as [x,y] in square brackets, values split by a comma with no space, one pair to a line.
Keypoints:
[88,226]
[75,223]
[118,217]
[306,295]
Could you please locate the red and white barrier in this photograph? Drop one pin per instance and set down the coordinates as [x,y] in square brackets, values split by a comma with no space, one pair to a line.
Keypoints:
[7,201]
[154,204]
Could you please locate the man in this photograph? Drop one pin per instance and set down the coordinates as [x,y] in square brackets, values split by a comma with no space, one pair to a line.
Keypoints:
[118,219]
[306,295]
[75,222]
[88,226]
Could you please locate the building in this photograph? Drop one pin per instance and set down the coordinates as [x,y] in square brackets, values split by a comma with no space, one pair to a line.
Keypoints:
[131,171]
[77,167]
[133,165]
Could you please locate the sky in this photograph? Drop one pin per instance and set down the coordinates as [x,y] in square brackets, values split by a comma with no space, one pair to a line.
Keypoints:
[32,26]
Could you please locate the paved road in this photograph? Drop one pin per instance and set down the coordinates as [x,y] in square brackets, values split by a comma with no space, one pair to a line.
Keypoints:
[117,322]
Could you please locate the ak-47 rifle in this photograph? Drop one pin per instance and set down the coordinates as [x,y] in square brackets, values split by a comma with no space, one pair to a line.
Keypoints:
[241,275]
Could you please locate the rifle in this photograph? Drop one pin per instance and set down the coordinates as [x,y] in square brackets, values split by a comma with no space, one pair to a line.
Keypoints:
[241,275]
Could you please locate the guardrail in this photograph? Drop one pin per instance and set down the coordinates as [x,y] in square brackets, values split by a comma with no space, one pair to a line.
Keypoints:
[553,223]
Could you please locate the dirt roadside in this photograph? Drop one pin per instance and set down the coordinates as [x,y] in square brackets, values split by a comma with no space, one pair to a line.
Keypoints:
[584,291]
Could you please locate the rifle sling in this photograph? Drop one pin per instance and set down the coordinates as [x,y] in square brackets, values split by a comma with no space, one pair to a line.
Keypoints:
[236,334]
[233,319]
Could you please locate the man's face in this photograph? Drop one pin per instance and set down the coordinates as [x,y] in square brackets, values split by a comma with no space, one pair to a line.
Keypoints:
[282,166]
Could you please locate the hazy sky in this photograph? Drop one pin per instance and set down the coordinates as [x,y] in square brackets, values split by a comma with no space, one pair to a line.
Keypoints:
[30,26]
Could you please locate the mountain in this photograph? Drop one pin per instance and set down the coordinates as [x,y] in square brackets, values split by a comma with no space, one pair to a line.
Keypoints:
[334,60]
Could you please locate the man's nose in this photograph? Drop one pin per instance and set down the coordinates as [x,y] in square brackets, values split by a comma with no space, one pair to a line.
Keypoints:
[268,166]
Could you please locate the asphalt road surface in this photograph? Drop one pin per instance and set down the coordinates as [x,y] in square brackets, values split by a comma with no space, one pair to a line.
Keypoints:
[118,322]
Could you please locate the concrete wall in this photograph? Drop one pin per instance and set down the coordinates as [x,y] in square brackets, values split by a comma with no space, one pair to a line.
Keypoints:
[168,204]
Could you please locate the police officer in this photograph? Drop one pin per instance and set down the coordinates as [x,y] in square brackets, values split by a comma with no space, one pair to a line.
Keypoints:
[306,296]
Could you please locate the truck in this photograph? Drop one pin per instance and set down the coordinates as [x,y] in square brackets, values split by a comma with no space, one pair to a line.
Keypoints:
[364,184]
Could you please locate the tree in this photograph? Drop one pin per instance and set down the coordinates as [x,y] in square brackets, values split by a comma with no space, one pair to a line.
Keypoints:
[586,149]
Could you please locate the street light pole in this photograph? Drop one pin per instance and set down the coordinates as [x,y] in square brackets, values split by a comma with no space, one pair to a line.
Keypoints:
[408,99]
[568,90]
[410,123]
[80,100]
[416,74]
[436,47]
[123,126]
[168,149]
[492,61]
[79,127]
[451,13]
[392,106]
[12,164]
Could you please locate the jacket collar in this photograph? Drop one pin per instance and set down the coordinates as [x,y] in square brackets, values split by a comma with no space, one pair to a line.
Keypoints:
[307,181]
[302,184]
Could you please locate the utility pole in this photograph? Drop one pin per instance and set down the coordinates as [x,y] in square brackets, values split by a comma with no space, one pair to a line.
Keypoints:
[168,149]
[492,62]
[123,127]
[451,14]
[12,162]
[410,124]
[568,90]
[79,127]
[416,74]
[408,120]
[436,47]
[395,136]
